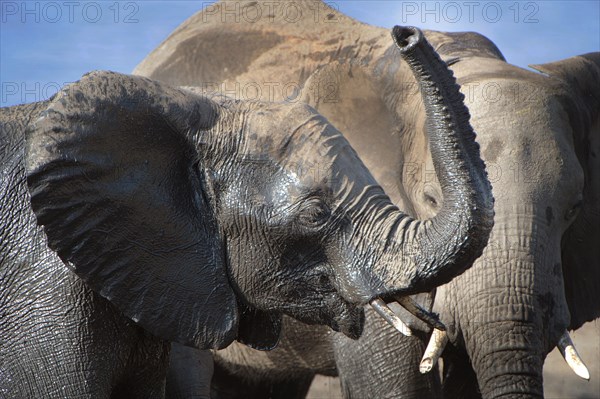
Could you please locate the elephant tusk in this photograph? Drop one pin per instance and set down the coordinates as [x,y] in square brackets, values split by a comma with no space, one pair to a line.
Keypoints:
[388,315]
[568,351]
[435,347]
[420,313]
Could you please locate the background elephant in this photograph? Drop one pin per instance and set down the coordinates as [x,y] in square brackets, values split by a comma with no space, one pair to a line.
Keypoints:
[539,132]
[190,215]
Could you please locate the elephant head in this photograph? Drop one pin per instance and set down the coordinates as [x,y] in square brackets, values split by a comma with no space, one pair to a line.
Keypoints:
[539,134]
[206,219]
[539,274]
[542,141]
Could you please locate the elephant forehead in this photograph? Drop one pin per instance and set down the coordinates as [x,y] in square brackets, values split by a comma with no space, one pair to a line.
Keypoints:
[305,144]
[527,145]
[507,112]
[282,128]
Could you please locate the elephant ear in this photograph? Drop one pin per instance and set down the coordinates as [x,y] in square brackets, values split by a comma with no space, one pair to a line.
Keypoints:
[118,186]
[580,244]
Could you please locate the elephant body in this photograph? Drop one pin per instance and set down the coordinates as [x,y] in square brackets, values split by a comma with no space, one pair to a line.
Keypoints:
[137,214]
[54,327]
[539,135]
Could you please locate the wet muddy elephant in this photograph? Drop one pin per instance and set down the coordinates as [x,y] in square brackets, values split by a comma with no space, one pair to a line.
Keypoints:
[201,220]
[539,133]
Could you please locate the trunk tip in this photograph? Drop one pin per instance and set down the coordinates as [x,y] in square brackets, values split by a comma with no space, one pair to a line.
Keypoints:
[406,37]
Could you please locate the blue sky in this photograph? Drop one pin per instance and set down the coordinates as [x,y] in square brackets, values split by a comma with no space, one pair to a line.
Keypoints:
[45,44]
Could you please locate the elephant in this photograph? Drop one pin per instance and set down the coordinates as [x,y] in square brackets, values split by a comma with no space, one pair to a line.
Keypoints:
[538,277]
[135,214]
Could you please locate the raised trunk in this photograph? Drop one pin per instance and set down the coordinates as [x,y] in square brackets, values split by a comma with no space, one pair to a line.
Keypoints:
[443,247]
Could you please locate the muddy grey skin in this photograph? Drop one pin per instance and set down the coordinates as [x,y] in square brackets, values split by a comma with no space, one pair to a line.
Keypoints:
[541,128]
[187,219]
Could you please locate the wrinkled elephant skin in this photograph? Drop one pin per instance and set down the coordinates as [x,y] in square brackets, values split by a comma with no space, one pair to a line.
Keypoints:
[539,134]
[200,220]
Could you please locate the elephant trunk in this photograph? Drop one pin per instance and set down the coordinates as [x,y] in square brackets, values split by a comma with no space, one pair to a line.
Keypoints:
[512,366]
[507,313]
[443,247]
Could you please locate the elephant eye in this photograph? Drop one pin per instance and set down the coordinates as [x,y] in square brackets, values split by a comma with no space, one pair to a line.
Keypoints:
[571,213]
[430,197]
[314,213]
[431,200]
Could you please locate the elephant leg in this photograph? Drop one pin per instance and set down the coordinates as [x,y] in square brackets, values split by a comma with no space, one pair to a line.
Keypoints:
[226,385]
[460,381]
[59,364]
[64,341]
[383,363]
[145,372]
[190,373]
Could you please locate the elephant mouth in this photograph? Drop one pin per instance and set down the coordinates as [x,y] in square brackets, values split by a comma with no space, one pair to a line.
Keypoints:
[335,312]
[350,321]
[343,316]
[258,329]
[261,329]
